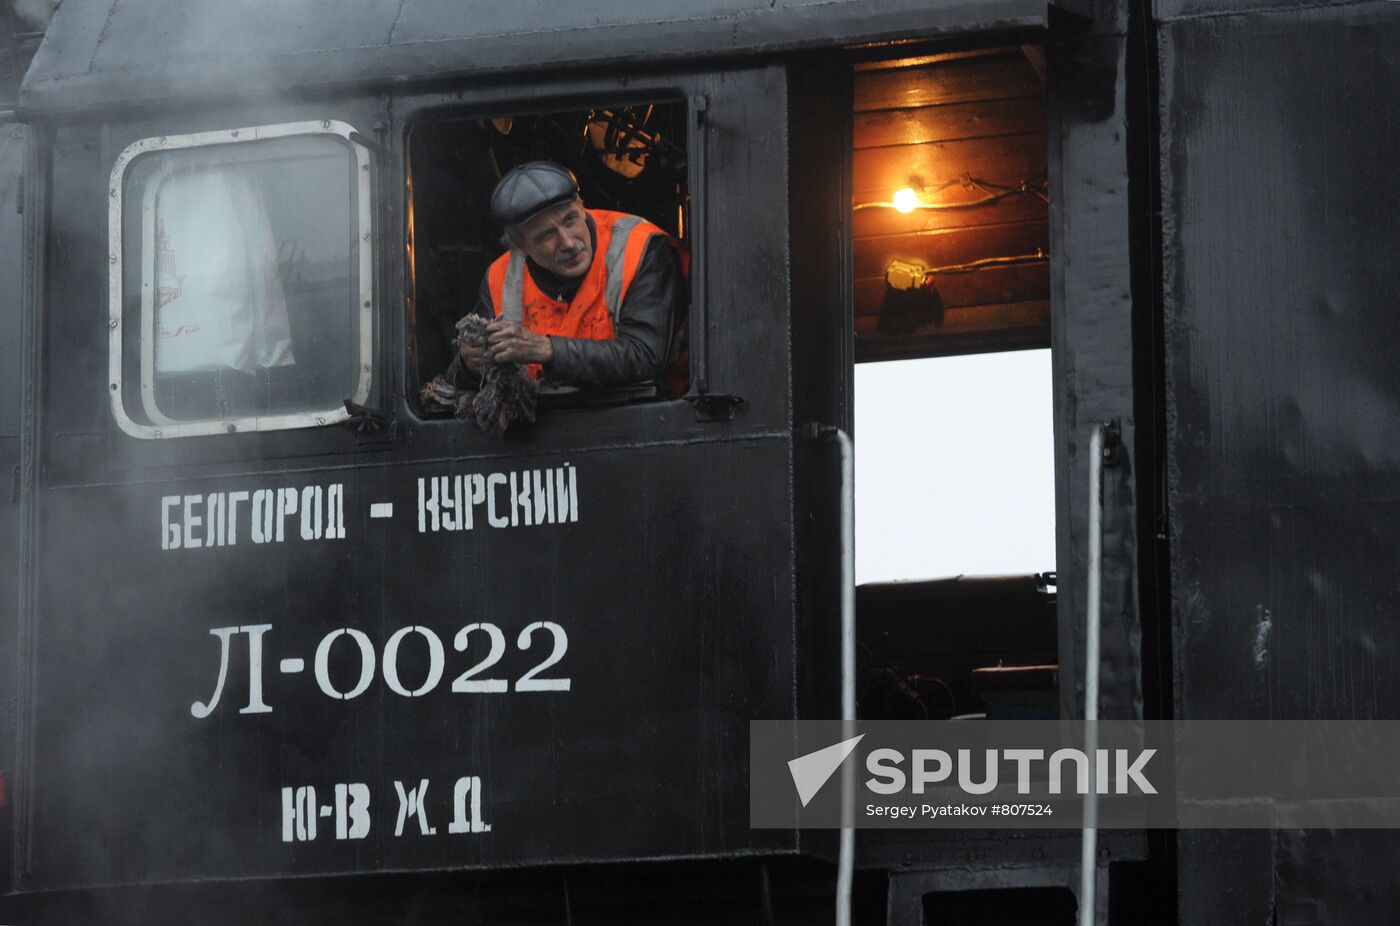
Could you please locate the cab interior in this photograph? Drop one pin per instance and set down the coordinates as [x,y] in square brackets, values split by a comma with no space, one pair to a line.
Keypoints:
[950,257]
[628,155]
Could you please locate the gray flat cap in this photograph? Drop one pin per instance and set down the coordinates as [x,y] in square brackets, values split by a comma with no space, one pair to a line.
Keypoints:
[526,191]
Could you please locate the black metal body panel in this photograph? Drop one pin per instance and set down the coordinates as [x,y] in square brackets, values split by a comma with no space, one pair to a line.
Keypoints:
[675,584]
[14,145]
[673,588]
[1168,10]
[95,54]
[14,151]
[1092,334]
[698,586]
[1280,316]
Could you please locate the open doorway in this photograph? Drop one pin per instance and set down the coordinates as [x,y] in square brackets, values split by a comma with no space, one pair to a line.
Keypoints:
[955,516]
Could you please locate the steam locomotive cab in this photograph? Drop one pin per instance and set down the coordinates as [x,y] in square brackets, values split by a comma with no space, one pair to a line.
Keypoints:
[280,625]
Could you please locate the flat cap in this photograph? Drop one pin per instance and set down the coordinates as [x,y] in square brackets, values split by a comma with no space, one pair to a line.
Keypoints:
[526,191]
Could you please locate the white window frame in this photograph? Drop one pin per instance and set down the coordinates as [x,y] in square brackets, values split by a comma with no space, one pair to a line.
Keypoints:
[161,426]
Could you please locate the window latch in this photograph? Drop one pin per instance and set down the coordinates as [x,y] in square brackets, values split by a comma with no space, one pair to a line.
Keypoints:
[369,425]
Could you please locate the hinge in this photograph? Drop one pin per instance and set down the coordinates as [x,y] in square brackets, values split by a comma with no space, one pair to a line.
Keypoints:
[1112,443]
[713,407]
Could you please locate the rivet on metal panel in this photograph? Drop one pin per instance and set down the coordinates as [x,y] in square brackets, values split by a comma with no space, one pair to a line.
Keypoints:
[366,303]
[234,133]
[157,433]
[111,258]
[366,368]
[230,428]
[161,140]
[364,167]
[320,420]
[112,386]
[112,323]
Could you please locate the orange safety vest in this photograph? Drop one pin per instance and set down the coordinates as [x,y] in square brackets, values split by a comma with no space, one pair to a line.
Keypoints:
[621,239]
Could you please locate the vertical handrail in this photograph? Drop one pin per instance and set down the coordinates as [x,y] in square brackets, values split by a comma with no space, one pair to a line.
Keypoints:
[1088,857]
[846,853]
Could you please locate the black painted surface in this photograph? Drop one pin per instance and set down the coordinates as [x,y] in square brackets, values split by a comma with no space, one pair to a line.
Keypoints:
[14,143]
[673,588]
[97,54]
[676,586]
[1281,315]
[818,220]
[1280,324]
[1092,331]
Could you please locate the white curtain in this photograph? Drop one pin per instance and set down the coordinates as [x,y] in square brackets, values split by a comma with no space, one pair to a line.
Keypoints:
[219,302]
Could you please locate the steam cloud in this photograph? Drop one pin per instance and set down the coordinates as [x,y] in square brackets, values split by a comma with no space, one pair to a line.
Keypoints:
[35,12]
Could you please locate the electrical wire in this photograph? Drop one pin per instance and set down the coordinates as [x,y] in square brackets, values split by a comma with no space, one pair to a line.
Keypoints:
[988,262]
[996,192]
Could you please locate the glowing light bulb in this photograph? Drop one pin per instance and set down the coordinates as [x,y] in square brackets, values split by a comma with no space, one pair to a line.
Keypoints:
[905,199]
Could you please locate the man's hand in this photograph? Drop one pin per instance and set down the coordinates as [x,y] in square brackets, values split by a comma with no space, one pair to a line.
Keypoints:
[512,341]
[471,356]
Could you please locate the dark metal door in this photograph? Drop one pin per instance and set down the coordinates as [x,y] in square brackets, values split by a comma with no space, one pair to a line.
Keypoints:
[1278,198]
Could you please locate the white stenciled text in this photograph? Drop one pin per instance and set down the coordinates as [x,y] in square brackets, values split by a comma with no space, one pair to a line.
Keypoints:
[543,643]
[225,519]
[527,498]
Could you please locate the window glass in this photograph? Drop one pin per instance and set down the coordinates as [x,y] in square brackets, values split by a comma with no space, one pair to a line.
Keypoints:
[242,270]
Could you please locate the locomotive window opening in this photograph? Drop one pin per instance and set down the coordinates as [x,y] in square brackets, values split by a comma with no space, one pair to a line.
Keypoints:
[244,280]
[628,157]
[955,500]
[951,218]
[955,470]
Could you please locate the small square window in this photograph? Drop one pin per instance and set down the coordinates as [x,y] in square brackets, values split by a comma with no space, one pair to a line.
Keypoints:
[241,280]
[628,158]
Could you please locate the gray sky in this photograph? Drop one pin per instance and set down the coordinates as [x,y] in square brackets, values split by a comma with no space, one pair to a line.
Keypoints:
[954,467]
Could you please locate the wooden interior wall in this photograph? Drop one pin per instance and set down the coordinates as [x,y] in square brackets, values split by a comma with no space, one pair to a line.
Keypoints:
[932,122]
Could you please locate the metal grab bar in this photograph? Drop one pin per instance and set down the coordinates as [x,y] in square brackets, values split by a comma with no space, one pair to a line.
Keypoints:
[1089,849]
[846,855]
